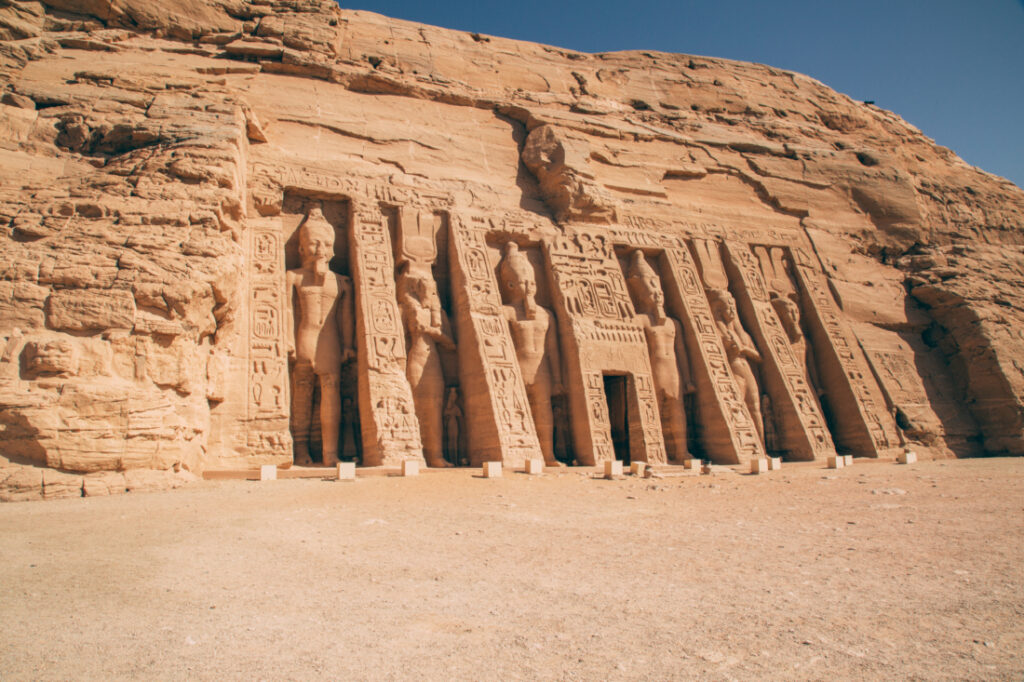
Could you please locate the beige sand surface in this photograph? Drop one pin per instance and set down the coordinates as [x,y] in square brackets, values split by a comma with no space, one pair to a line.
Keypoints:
[879,571]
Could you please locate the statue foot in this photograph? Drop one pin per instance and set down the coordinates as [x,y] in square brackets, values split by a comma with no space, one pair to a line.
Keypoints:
[553,463]
[330,460]
[301,456]
[438,463]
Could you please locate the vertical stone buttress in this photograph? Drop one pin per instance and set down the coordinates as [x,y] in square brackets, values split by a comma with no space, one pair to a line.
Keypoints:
[862,423]
[500,426]
[388,421]
[802,430]
[726,432]
[268,396]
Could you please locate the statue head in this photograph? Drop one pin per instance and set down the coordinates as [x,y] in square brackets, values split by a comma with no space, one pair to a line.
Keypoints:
[789,314]
[723,306]
[646,285]
[517,277]
[316,242]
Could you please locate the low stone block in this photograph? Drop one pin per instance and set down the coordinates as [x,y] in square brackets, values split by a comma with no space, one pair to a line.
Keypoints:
[637,468]
[774,463]
[759,465]
[103,483]
[268,472]
[836,462]
[534,467]
[613,468]
[492,469]
[908,457]
[848,460]
[410,467]
[346,471]
[21,484]
[705,469]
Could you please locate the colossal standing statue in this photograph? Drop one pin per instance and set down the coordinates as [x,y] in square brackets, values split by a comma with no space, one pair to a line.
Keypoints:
[535,336]
[320,337]
[740,350]
[667,350]
[426,328]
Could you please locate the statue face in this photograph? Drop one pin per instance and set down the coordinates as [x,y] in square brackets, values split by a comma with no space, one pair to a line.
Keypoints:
[651,295]
[316,247]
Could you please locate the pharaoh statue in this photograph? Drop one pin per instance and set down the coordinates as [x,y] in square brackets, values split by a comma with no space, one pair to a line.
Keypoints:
[740,350]
[670,366]
[535,336]
[427,329]
[320,338]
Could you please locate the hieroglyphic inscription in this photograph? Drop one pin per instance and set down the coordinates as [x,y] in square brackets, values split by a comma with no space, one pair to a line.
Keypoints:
[497,408]
[729,435]
[802,431]
[592,298]
[392,434]
[863,422]
[267,394]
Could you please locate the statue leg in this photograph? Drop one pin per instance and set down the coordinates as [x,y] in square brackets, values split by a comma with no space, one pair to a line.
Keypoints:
[673,428]
[302,407]
[539,394]
[752,397]
[330,416]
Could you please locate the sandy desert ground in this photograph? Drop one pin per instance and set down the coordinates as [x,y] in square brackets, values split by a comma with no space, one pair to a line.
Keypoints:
[878,571]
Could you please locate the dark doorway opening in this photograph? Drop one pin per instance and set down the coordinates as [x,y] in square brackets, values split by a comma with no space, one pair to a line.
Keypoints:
[618,414]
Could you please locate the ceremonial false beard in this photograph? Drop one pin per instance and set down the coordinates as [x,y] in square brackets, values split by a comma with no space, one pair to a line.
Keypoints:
[321,267]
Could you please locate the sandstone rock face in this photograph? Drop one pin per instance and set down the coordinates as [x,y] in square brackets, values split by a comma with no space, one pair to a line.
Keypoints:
[823,276]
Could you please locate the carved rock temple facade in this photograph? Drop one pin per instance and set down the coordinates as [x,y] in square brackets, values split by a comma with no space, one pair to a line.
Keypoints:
[242,234]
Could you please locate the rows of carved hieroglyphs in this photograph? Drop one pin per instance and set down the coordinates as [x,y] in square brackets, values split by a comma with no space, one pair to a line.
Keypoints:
[458,338]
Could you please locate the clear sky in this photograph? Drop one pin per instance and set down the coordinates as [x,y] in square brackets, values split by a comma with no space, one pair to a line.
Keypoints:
[953,68]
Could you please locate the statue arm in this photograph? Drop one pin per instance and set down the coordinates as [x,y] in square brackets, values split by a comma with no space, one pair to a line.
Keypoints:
[345,317]
[443,333]
[749,350]
[291,320]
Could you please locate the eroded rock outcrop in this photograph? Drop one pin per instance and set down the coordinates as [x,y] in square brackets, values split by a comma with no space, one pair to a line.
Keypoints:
[157,166]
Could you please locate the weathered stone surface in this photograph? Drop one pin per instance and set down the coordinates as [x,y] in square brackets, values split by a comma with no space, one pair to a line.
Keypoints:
[523,252]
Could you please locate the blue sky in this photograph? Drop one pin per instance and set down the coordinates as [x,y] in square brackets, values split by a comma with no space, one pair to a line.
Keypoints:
[953,68]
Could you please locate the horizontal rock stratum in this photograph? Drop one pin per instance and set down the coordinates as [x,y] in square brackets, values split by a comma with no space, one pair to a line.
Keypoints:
[274,232]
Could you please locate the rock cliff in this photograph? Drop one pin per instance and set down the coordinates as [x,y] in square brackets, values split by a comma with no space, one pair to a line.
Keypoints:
[823,276]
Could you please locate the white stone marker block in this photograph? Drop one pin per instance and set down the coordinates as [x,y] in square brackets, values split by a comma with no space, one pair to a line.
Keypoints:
[691,463]
[410,467]
[613,468]
[492,469]
[908,457]
[535,467]
[848,460]
[774,463]
[346,471]
[268,472]
[836,462]
[637,468]
[759,465]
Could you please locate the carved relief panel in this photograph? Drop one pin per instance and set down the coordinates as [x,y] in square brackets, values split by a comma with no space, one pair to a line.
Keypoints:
[500,424]
[795,421]
[390,430]
[727,432]
[268,391]
[862,422]
[602,338]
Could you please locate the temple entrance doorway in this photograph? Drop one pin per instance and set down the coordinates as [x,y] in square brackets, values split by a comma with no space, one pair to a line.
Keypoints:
[618,414]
